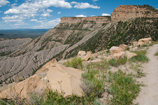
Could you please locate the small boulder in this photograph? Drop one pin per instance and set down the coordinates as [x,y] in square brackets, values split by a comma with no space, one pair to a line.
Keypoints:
[88,56]
[145,40]
[108,58]
[119,55]
[140,44]
[129,55]
[81,54]
[134,43]
[133,48]
[123,46]
[115,49]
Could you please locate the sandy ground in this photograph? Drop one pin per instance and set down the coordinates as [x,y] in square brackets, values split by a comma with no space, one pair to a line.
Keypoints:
[149,93]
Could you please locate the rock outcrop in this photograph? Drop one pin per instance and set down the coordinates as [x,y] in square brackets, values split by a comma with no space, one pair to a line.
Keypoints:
[118,55]
[115,49]
[24,88]
[142,42]
[87,57]
[125,12]
[53,76]
[81,54]
[96,19]
[129,55]
[123,46]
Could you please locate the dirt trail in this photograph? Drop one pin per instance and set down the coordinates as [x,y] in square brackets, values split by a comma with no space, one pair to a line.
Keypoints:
[149,93]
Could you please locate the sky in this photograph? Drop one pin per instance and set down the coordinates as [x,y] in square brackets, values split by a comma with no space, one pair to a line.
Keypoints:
[46,14]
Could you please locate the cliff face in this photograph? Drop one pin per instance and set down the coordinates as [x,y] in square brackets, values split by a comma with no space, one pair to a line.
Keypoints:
[125,12]
[97,19]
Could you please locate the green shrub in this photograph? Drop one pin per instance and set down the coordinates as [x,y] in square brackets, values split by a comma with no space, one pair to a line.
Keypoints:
[102,66]
[116,63]
[141,57]
[75,63]
[54,98]
[93,84]
[3,102]
[123,88]
[113,62]
[36,99]
[156,54]
[140,74]
[122,61]
[154,42]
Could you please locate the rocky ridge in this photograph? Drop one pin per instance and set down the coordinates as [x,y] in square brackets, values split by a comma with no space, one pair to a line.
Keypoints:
[96,19]
[126,12]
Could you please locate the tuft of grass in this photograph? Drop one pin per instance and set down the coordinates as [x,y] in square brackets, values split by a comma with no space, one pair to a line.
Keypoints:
[154,42]
[113,62]
[156,54]
[56,98]
[102,66]
[123,88]
[75,63]
[93,84]
[141,57]
[116,63]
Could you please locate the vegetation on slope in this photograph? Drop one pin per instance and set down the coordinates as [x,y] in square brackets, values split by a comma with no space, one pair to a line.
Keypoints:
[148,7]
[121,87]
[123,32]
[156,54]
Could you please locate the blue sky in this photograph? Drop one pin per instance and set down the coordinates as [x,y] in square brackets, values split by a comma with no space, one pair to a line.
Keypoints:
[39,14]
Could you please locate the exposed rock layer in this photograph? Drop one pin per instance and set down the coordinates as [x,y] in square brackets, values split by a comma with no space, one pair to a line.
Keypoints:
[125,12]
[97,19]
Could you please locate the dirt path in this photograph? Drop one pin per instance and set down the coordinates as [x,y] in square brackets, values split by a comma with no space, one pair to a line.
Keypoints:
[149,93]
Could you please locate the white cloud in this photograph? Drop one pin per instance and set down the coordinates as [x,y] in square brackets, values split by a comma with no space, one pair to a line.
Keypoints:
[37,5]
[34,20]
[49,10]
[32,8]
[46,14]
[80,15]
[3,2]
[105,14]
[59,12]
[14,18]
[84,5]
[95,0]
[14,4]
[73,2]
[48,24]
[0,11]
[16,0]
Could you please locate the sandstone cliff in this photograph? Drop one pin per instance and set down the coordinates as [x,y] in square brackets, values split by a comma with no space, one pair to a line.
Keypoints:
[96,19]
[125,12]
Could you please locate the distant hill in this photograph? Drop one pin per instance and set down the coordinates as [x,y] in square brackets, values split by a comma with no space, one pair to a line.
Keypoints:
[22,33]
